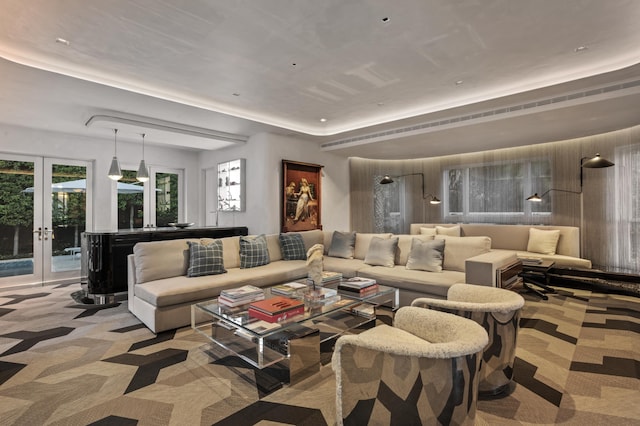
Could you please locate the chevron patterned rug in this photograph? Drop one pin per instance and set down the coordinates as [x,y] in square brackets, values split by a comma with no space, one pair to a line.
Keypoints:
[64,363]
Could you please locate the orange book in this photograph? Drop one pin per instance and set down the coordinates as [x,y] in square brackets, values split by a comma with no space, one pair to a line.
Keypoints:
[276,305]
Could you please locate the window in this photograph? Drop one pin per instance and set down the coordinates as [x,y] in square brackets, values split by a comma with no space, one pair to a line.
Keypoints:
[486,192]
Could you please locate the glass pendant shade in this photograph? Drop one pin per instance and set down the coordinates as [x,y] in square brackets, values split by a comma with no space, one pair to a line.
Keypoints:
[115,173]
[143,172]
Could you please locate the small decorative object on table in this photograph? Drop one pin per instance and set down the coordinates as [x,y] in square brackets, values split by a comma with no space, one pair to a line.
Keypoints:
[314,268]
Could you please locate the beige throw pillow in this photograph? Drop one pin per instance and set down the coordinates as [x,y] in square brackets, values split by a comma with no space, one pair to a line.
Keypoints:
[428,231]
[458,249]
[543,241]
[452,231]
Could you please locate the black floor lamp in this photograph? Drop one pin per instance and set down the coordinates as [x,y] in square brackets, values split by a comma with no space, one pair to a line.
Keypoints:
[432,198]
[596,162]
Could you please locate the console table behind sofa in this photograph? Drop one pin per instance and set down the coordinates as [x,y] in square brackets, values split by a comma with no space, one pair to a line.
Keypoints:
[516,237]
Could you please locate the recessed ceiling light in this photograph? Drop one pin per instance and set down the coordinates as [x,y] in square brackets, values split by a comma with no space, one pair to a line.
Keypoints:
[323,120]
[236,94]
[380,103]
[385,19]
[63,41]
[459,82]
[581,48]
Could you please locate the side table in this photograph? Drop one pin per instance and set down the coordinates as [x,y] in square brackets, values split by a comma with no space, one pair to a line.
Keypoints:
[537,274]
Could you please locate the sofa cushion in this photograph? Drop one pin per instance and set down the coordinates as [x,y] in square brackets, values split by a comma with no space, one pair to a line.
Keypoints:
[205,259]
[458,249]
[382,251]
[155,260]
[313,237]
[363,241]
[342,244]
[292,246]
[253,251]
[426,255]
[543,241]
[273,246]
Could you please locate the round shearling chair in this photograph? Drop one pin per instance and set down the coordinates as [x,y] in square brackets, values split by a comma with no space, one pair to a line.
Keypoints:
[498,311]
[423,370]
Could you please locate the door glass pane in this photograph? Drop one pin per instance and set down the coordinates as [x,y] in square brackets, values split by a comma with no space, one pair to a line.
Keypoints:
[68,215]
[130,201]
[16,218]
[167,195]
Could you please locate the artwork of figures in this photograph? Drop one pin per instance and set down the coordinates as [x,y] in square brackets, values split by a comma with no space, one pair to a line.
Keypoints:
[301,196]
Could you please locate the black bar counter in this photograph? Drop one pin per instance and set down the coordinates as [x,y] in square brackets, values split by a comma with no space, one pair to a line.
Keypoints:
[104,254]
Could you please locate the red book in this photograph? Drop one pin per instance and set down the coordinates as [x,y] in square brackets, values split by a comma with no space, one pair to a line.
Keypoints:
[276,305]
[281,316]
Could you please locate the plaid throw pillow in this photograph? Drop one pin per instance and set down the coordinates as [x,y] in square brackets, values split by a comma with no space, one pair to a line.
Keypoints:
[253,251]
[205,259]
[292,247]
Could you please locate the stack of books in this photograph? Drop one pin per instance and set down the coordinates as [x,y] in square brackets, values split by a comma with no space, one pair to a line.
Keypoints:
[329,277]
[240,296]
[288,289]
[358,286]
[276,309]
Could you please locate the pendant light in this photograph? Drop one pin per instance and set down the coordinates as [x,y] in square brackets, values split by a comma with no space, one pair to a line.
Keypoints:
[114,171]
[143,172]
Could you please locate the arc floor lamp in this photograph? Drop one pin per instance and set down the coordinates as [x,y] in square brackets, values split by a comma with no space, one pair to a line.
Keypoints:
[596,162]
[432,198]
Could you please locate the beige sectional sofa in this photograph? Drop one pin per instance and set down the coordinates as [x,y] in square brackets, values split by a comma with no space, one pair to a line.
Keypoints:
[515,239]
[160,294]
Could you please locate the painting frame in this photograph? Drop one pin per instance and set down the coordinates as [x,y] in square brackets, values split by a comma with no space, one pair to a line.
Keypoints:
[301,196]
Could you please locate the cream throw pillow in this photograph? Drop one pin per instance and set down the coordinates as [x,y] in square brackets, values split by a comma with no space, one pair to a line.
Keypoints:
[458,249]
[543,241]
[428,231]
[452,231]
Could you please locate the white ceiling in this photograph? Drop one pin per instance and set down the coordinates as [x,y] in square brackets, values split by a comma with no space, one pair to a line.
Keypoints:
[562,69]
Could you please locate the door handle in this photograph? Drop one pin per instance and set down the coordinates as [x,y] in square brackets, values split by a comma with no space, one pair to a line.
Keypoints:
[39,232]
[47,232]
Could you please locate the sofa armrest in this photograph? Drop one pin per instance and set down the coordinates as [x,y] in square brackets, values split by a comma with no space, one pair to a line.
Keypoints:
[481,269]
[131,280]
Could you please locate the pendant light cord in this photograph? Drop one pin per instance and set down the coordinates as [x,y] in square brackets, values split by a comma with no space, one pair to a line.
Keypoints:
[115,142]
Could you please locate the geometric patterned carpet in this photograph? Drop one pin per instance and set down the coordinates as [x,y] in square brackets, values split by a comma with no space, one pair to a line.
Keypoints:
[62,363]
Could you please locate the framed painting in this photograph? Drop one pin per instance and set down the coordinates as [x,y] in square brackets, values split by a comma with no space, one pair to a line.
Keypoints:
[301,196]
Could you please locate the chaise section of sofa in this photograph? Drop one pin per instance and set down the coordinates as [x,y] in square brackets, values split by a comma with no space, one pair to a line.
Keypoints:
[515,238]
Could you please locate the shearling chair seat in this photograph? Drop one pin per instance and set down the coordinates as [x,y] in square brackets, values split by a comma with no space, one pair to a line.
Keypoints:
[498,311]
[423,370]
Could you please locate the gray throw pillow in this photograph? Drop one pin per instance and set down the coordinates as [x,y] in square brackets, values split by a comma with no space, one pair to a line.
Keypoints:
[292,246]
[426,255]
[382,252]
[342,244]
[205,259]
[253,251]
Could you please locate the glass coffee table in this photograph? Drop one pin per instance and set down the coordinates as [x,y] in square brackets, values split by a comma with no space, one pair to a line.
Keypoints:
[294,342]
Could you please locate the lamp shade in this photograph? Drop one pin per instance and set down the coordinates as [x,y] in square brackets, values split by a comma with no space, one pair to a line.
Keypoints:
[535,197]
[597,162]
[435,200]
[114,171]
[143,172]
[385,180]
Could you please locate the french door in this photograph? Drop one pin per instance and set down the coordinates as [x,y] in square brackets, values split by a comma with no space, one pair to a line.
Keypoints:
[45,205]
